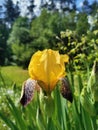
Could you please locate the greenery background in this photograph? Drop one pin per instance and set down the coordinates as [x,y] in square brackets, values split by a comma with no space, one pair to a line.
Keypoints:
[21,36]
[70,30]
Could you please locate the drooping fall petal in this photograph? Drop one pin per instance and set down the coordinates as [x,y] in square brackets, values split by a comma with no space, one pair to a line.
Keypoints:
[47,67]
[28,89]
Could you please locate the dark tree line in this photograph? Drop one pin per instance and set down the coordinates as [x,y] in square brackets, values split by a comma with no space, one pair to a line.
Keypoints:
[21,36]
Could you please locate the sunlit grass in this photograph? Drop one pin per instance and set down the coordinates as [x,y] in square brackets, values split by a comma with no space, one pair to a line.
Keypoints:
[14,74]
[11,79]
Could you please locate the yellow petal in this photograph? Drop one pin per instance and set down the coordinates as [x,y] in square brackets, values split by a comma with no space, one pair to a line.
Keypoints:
[65,58]
[48,67]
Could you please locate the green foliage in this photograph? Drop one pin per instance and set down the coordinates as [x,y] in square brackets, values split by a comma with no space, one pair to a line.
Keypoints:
[20,31]
[66,116]
[30,36]
[82,50]
[82,24]
[24,41]
[4,53]
[19,42]
[40,31]
[22,54]
[47,26]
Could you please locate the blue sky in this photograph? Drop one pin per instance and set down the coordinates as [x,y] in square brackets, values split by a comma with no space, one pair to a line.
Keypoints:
[37,1]
[24,3]
[79,2]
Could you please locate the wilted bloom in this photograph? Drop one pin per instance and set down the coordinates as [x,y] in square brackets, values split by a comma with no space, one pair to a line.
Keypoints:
[46,68]
[65,89]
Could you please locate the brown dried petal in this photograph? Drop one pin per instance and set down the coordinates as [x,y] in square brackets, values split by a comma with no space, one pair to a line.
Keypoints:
[65,90]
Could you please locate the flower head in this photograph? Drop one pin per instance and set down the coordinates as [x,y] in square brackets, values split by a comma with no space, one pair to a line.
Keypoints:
[47,67]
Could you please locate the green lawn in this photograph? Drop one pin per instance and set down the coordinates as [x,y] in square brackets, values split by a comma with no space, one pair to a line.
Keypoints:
[10,76]
[13,74]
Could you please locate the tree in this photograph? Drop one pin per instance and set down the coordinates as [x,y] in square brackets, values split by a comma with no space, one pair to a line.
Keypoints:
[86,7]
[59,5]
[82,24]
[47,26]
[11,11]
[17,10]
[31,8]
[4,54]
[40,31]
[67,5]
[1,14]
[20,31]
[94,7]
[50,5]
[94,15]
[19,41]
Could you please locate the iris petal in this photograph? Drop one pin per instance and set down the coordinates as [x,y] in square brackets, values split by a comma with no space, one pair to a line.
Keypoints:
[48,67]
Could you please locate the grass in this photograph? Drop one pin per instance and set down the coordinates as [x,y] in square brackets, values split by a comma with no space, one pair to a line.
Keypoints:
[11,79]
[14,74]
[66,115]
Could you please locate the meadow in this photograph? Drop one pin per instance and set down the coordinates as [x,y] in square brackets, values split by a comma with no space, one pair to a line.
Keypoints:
[11,80]
[13,74]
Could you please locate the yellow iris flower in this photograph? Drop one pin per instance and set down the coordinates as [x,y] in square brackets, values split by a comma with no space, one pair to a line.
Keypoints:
[47,67]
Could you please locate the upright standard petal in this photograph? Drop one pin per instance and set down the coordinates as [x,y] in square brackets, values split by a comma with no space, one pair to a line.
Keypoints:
[47,67]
